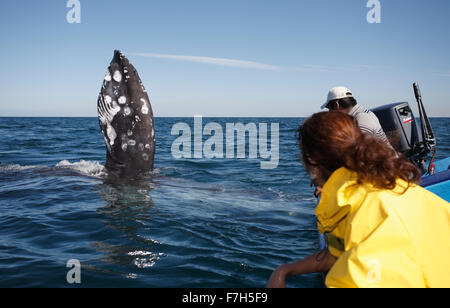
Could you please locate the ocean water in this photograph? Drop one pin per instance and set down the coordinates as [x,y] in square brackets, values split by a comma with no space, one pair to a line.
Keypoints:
[192,223]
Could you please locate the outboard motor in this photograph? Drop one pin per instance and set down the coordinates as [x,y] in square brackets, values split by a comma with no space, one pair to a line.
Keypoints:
[400,126]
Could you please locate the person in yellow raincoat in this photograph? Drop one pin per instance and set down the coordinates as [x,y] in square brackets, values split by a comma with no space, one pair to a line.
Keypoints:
[382,229]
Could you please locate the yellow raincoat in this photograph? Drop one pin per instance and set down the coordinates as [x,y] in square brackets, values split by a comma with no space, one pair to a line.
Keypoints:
[384,238]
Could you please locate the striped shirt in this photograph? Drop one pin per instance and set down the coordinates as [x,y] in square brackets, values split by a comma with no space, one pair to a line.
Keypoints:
[368,122]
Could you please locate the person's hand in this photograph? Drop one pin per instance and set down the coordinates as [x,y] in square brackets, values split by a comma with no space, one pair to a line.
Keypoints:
[278,278]
[318,192]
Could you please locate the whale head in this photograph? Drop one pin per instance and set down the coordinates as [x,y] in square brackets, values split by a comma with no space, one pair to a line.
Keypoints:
[126,120]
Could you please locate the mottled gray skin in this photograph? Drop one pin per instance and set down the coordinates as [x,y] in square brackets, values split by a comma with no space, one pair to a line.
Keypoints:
[126,120]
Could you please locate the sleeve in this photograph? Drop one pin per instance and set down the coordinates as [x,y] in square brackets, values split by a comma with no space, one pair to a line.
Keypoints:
[385,258]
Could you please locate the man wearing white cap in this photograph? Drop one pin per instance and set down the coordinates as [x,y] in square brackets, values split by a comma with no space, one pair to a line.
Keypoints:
[341,99]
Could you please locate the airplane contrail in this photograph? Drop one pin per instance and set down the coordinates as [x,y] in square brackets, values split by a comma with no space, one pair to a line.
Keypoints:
[214,61]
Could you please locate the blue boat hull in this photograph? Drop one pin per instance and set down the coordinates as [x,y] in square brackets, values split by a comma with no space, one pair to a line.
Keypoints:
[439,183]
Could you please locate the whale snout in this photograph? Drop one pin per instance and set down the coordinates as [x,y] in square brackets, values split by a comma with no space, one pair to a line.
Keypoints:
[118,57]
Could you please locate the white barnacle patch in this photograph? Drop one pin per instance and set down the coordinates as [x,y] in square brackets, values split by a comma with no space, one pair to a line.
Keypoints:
[108,99]
[145,156]
[124,147]
[129,133]
[122,100]
[117,76]
[131,143]
[141,147]
[110,131]
[127,110]
[108,76]
[147,146]
[144,108]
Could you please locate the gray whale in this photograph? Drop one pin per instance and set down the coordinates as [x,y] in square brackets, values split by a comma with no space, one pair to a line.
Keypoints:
[126,120]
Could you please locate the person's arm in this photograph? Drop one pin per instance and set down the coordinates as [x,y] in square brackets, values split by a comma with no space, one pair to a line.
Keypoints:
[321,261]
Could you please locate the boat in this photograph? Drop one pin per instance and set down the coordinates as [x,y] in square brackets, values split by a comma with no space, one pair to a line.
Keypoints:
[401,128]
[439,182]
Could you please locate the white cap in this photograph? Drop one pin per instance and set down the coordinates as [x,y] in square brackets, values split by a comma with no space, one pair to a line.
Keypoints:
[337,93]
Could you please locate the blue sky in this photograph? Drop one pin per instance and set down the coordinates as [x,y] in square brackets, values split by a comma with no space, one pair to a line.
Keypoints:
[302,48]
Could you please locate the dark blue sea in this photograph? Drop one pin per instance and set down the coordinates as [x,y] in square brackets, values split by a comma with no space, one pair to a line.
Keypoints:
[193,223]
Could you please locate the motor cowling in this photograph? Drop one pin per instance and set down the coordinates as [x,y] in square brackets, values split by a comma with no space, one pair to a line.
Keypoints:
[400,126]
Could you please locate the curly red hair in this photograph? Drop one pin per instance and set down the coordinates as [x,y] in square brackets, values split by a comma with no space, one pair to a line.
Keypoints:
[331,140]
